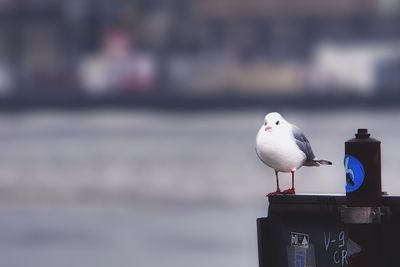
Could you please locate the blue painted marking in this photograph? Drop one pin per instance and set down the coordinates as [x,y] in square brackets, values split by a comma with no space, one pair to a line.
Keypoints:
[354,173]
[300,258]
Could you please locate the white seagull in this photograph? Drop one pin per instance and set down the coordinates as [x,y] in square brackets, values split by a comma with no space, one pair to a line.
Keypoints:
[283,147]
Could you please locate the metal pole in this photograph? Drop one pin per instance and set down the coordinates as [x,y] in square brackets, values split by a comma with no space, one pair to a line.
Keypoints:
[362,214]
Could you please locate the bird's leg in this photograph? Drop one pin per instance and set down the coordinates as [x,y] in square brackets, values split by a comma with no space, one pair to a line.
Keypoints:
[278,190]
[292,180]
[277,182]
[291,191]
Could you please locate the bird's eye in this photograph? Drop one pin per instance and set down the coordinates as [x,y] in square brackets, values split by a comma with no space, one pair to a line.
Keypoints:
[277,123]
[265,123]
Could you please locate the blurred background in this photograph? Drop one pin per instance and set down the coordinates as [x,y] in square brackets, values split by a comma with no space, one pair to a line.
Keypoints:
[127,127]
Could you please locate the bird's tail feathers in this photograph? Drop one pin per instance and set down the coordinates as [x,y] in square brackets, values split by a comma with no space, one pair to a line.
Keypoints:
[323,162]
[317,162]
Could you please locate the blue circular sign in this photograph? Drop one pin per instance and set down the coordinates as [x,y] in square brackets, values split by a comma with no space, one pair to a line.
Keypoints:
[354,173]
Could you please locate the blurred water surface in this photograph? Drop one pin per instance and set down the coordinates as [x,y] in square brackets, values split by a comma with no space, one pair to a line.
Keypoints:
[146,188]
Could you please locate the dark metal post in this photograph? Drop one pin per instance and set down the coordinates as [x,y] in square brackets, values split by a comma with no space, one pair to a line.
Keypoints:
[364,200]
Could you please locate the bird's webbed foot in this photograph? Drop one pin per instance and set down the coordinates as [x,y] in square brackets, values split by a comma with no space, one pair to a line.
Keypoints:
[277,192]
[289,191]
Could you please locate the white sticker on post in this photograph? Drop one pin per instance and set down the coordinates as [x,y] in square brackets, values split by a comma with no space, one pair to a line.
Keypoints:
[300,240]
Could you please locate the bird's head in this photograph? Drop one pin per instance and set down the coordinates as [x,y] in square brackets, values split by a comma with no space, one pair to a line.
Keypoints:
[273,121]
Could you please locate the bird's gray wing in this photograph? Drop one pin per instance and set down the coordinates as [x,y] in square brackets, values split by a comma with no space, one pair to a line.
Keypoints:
[303,143]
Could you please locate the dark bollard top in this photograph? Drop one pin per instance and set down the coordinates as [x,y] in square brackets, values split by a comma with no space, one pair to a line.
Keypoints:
[362,133]
[362,136]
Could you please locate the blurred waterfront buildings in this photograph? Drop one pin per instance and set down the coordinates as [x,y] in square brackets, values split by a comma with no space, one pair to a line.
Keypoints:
[207,47]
